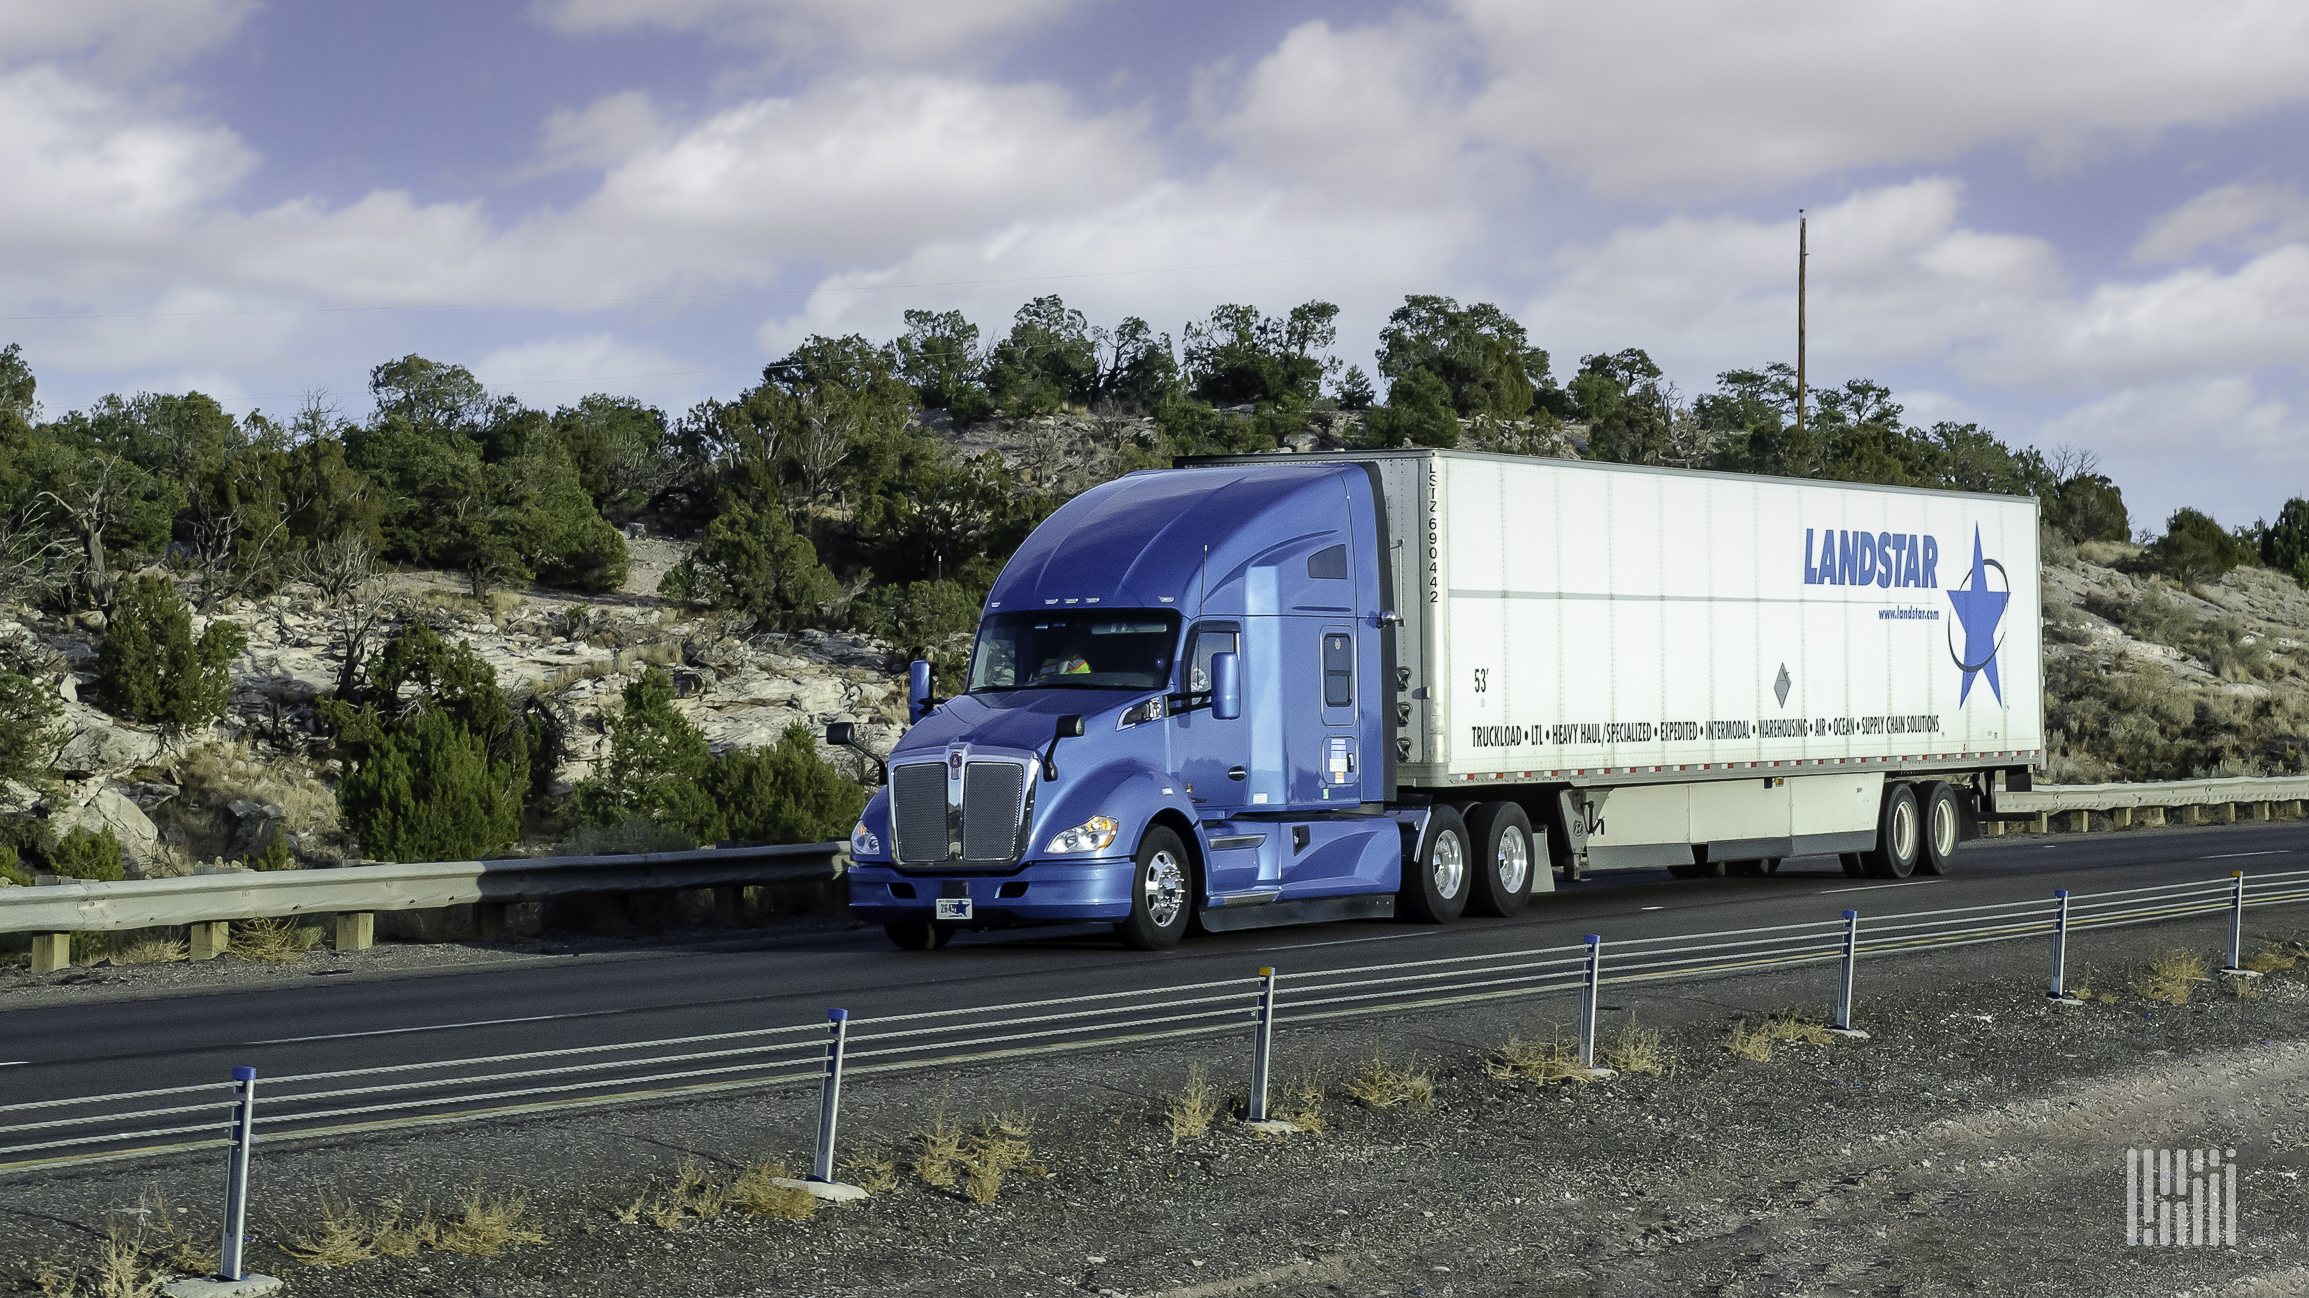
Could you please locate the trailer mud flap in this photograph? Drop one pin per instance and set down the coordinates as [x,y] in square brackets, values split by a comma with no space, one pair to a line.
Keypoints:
[1315,910]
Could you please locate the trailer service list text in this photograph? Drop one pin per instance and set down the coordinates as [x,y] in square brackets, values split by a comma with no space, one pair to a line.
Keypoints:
[1684,732]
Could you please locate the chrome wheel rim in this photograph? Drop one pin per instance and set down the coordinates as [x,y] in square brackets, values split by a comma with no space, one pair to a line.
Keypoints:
[1449,869]
[1944,828]
[1514,864]
[1166,889]
[1904,830]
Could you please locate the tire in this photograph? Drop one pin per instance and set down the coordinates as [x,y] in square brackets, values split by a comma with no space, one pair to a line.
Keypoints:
[1162,893]
[1899,835]
[1698,869]
[1941,818]
[924,936]
[1506,859]
[1855,865]
[1425,898]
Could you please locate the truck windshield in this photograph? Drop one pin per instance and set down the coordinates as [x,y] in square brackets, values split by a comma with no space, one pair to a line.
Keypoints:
[1113,650]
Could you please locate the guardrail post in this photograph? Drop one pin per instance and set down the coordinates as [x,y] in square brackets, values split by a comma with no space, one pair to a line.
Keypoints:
[210,939]
[2060,946]
[51,952]
[1587,1001]
[1851,961]
[236,1177]
[829,1096]
[1262,1046]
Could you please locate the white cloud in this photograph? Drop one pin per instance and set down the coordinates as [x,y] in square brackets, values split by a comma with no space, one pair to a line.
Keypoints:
[2186,323]
[2240,217]
[1373,107]
[904,30]
[2215,443]
[117,37]
[602,134]
[559,371]
[1657,97]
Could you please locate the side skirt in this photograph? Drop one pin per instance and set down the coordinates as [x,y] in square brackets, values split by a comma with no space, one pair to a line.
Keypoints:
[1318,910]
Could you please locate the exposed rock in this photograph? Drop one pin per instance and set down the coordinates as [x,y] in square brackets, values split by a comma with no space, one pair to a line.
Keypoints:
[254,827]
[101,806]
[103,745]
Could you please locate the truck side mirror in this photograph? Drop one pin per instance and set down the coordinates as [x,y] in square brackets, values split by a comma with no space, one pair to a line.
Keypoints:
[1069,727]
[841,734]
[1226,686]
[917,689]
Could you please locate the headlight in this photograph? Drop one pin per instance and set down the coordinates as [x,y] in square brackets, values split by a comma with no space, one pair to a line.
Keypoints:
[1089,836]
[863,842]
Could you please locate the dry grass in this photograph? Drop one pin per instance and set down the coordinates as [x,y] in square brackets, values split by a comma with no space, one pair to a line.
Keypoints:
[486,1225]
[272,941]
[164,1242]
[1301,1104]
[873,1170]
[140,1253]
[1194,1107]
[2172,974]
[694,1196]
[1553,1060]
[339,1234]
[1635,1050]
[1760,1041]
[1000,1146]
[2275,957]
[148,950]
[938,1151]
[758,1192]
[223,773]
[1383,1083]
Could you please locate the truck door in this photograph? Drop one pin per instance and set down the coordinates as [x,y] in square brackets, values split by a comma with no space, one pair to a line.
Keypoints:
[1213,756]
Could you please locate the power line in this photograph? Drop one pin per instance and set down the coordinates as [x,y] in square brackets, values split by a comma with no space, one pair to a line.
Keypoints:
[748,293]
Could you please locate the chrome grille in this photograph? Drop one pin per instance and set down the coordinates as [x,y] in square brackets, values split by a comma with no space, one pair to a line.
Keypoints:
[918,812]
[992,794]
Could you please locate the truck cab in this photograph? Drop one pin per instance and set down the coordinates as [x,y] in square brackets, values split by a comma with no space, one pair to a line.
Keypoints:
[1179,707]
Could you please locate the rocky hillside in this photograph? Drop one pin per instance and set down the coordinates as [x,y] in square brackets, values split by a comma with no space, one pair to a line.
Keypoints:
[177,801]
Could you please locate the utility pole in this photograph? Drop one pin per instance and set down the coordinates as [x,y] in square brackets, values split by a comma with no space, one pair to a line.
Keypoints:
[1803,253]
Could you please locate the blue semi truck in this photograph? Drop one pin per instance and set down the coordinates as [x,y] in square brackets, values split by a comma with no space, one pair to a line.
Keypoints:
[1289,688]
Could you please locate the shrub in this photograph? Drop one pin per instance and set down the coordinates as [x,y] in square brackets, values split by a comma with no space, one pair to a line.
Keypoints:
[785,793]
[753,559]
[2089,508]
[917,614]
[2285,543]
[657,763]
[152,669]
[2195,549]
[443,774]
[1418,412]
[11,870]
[29,734]
[82,855]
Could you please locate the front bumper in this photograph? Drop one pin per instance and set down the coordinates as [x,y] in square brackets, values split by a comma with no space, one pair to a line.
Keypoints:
[1040,892]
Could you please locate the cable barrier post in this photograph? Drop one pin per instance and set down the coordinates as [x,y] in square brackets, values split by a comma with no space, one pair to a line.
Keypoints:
[2059,945]
[2237,967]
[1587,1002]
[1262,1045]
[1851,960]
[829,1096]
[236,1176]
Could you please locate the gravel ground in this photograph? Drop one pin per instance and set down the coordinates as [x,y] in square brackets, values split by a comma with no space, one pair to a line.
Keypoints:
[1974,1143]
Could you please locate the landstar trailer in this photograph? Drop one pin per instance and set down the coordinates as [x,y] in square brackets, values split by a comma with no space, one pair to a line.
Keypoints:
[1280,688]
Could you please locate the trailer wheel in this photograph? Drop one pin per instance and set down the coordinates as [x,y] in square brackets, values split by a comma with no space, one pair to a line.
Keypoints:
[1162,894]
[1855,865]
[1505,862]
[919,937]
[1756,869]
[1700,868]
[1899,834]
[1937,803]
[1435,879]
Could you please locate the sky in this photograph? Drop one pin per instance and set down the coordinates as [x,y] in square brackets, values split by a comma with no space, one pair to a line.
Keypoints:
[2079,223]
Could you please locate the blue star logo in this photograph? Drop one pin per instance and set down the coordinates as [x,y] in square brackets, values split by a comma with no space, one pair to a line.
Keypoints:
[1981,611]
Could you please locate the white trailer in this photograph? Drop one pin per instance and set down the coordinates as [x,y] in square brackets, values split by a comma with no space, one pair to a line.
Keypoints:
[1708,670]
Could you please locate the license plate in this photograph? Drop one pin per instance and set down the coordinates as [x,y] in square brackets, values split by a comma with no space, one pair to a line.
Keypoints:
[954,908]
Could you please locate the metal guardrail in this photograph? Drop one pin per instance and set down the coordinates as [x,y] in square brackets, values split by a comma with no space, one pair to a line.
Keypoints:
[84,907]
[2240,790]
[135,1124]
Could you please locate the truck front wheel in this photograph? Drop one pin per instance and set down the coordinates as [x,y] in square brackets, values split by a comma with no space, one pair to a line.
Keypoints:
[1435,879]
[1162,895]
[919,937]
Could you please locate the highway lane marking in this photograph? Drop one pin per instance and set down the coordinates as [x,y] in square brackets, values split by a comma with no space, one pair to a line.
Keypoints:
[1347,941]
[13,1063]
[1655,908]
[2223,856]
[434,1027]
[1871,887]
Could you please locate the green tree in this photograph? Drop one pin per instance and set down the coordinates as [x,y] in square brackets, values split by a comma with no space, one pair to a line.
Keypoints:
[1048,359]
[918,614]
[441,772]
[95,857]
[752,558]
[1136,367]
[621,450]
[2195,549]
[2285,544]
[151,668]
[657,763]
[939,355]
[2090,507]
[1418,413]
[785,793]
[1482,355]
[30,732]
[1620,397]
[1355,391]
[1239,356]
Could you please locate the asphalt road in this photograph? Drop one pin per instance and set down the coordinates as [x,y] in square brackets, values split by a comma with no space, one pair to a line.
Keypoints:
[112,1046]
